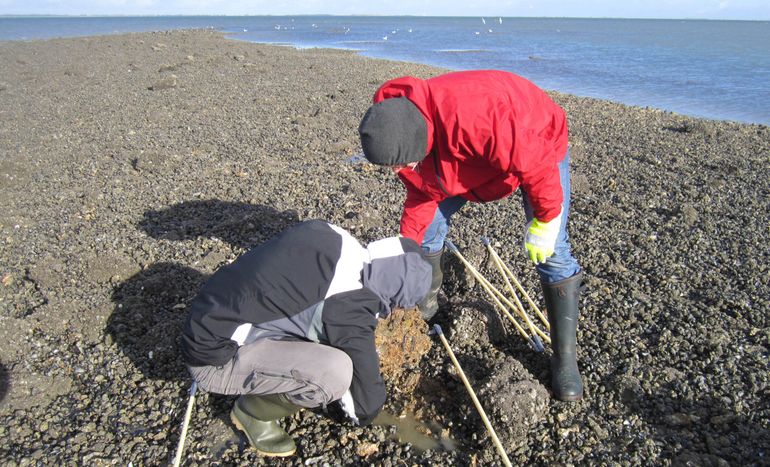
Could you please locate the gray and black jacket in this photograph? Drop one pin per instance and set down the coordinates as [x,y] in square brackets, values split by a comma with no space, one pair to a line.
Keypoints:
[312,282]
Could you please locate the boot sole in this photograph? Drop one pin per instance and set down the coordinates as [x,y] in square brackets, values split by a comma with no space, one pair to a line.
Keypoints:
[240,428]
[574,398]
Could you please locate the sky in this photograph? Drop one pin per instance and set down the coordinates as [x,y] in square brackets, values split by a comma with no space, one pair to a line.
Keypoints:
[700,9]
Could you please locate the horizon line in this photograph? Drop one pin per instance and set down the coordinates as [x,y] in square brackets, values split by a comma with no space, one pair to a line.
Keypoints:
[46,15]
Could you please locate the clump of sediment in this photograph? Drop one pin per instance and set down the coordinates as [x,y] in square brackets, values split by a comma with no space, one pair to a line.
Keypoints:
[402,341]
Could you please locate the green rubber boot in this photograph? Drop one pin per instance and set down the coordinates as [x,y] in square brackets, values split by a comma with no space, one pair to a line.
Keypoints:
[429,305]
[256,417]
[561,300]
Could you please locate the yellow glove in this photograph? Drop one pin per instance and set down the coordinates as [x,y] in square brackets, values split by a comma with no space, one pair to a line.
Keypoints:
[540,238]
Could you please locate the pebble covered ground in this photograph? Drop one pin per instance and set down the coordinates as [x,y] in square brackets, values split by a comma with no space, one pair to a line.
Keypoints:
[132,166]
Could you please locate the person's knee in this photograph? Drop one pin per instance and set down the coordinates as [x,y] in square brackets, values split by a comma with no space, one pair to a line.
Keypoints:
[434,241]
[339,376]
[325,382]
[210,379]
[432,248]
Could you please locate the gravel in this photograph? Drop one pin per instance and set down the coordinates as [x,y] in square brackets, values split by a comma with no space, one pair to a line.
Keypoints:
[132,166]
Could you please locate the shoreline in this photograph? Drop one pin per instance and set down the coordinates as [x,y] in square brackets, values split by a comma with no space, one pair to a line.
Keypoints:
[135,165]
[666,101]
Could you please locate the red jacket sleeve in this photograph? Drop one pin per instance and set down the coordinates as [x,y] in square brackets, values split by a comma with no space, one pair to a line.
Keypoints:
[543,186]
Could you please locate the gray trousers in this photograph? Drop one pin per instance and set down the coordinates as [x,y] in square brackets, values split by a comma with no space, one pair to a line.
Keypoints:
[310,374]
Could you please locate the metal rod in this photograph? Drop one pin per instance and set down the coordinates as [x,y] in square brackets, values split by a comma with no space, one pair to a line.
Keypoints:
[519,310]
[185,424]
[490,289]
[521,289]
[519,306]
[495,440]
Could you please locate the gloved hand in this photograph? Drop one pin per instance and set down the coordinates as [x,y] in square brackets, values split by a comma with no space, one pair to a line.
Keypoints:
[540,238]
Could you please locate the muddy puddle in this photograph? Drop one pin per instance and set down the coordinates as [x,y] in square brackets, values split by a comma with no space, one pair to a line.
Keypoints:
[420,435]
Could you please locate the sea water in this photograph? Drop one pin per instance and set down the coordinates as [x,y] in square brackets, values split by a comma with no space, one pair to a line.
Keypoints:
[712,69]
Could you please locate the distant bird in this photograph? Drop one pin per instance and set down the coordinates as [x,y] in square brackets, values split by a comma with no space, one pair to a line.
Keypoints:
[500,20]
[410,29]
[477,33]
[385,38]
[245,30]
[489,30]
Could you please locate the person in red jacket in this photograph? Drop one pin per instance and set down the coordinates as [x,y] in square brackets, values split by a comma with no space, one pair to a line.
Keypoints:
[479,136]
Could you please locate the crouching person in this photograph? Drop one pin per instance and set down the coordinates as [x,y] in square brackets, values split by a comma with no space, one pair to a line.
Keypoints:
[290,324]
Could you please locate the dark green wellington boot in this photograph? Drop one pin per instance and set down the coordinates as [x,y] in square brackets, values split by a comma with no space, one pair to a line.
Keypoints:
[256,416]
[561,300]
[429,305]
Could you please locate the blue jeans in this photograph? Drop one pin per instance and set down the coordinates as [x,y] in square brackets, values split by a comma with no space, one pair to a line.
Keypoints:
[561,265]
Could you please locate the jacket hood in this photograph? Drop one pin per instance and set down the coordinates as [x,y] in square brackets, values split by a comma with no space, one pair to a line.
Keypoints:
[397,273]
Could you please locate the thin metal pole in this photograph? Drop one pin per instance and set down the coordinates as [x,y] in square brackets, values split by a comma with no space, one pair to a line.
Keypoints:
[495,440]
[518,308]
[185,424]
[518,286]
[501,267]
[490,289]
[534,340]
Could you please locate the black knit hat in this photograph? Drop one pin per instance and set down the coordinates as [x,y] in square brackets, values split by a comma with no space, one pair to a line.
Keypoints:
[394,132]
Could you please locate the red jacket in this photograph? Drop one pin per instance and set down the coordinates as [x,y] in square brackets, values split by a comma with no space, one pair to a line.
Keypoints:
[489,132]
